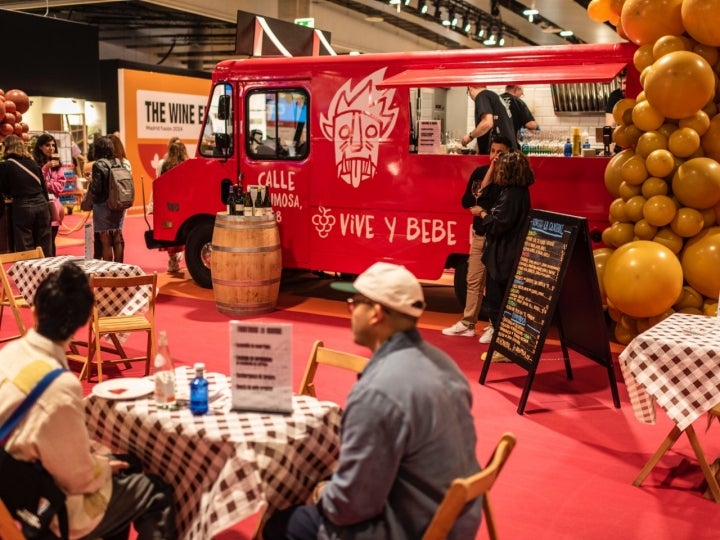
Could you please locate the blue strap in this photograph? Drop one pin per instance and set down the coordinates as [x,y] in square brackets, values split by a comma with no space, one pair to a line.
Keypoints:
[30,399]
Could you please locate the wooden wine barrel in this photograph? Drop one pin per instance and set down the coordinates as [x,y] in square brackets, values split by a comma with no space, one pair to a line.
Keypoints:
[246,264]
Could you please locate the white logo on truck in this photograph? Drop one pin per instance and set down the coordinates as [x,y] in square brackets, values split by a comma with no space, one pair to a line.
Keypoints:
[357,120]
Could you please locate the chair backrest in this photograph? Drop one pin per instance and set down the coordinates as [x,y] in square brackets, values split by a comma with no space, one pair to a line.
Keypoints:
[331,357]
[7,259]
[130,282]
[464,490]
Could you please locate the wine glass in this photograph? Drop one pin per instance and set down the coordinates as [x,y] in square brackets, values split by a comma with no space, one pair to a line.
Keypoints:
[475,189]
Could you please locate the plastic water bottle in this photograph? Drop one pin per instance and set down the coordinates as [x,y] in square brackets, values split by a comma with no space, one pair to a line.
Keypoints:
[164,375]
[567,152]
[199,391]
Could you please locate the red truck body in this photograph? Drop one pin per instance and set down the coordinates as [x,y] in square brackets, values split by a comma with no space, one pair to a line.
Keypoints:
[345,187]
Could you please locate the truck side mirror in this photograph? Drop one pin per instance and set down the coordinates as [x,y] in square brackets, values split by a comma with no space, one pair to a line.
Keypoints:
[222,142]
[223,112]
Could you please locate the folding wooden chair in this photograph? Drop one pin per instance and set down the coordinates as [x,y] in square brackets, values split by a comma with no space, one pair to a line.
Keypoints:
[8,528]
[100,326]
[330,357]
[319,355]
[464,490]
[9,297]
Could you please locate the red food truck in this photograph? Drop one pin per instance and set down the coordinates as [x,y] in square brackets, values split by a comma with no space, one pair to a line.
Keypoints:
[331,138]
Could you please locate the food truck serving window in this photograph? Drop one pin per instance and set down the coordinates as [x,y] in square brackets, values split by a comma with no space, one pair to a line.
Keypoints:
[277,124]
[217,133]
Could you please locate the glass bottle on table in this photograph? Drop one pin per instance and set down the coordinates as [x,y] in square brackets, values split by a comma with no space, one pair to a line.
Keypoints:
[266,204]
[164,375]
[247,204]
[239,201]
[258,202]
[231,201]
[199,391]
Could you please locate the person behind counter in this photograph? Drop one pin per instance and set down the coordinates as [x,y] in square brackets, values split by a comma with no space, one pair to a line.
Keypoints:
[615,96]
[491,119]
[407,428]
[22,180]
[504,223]
[517,109]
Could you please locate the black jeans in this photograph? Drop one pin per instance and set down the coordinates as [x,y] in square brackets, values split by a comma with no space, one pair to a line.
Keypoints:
[31,224]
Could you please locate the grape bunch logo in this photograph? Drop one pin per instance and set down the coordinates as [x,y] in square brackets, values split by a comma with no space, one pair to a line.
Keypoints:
[324,222]
[358,118]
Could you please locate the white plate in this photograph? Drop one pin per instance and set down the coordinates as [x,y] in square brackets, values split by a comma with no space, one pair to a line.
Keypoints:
[123,388]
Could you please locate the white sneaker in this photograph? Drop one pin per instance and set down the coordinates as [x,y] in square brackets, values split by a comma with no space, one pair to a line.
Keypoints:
[486,336]
[460,329]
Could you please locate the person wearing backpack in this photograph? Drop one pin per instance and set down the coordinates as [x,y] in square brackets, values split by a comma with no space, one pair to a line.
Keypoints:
[107,222]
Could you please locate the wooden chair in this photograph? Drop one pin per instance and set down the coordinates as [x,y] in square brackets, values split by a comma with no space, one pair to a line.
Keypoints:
[9,297]
[464,490]
[330,357]
[319,355]
[8,528]
[100,326]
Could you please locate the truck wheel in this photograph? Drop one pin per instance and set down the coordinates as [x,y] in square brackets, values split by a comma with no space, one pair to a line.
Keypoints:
[197,254]
[460,282]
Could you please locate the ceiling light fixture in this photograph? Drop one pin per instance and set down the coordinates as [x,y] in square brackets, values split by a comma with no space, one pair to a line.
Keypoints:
[530,14]
[566,33]
[468,24]
[423,7]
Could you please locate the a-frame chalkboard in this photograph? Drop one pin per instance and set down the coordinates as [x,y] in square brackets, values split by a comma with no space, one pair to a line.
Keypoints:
[553,279]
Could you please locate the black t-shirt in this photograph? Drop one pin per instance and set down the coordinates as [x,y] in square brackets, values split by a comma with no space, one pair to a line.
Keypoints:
[517,110]
[615,96]
[488,102]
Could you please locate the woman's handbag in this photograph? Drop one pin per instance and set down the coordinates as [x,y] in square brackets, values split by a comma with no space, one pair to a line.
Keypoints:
[27,489]
[57,212]
[86,204]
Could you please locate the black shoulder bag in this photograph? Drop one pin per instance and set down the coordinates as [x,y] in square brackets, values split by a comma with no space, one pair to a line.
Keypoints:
[27,489]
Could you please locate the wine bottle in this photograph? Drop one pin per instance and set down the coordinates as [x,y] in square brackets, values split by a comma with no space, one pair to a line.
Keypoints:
[257,211]
[239,201]
[247,204]
[231,201]
[164,375]
[266,204]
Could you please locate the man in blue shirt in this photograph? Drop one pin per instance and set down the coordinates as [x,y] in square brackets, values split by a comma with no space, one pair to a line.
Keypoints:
[407,428]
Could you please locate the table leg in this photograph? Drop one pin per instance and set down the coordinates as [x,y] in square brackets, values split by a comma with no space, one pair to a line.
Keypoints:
[664,447]
[709,476]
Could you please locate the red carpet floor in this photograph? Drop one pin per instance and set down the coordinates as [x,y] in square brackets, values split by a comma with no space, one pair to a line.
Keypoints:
[571,473]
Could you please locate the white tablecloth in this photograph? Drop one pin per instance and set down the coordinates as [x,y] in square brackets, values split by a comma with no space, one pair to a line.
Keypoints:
[676,363]
[223,466]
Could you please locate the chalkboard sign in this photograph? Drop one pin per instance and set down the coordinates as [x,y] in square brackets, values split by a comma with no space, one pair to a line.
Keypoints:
[554,279]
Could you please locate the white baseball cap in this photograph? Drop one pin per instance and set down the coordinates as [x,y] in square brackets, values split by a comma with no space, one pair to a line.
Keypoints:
[391,285]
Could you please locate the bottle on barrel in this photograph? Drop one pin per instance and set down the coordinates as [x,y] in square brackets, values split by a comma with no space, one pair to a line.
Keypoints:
[247,204]
[239,201]
[164,375]
[266,204]
[231,201]
[258,202]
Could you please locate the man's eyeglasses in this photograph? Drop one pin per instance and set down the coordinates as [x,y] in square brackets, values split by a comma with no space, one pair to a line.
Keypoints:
[355,300]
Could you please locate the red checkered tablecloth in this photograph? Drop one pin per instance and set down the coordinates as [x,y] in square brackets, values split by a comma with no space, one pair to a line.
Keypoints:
[676,363]
[124,301]
[226,465]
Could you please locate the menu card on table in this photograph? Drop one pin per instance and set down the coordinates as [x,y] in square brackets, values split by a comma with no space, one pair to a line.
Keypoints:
[261,366]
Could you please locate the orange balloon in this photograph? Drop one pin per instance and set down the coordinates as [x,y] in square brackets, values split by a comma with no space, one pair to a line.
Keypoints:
[626,136]
[684,142]
[627,191]
[679,84]
[708,52]
[700,122]
[687,222]
[599,10]
[634,207]
[645,117]
[600,257]
[701,19]
[643,57]
[633,171]
[620,107]
[617,211]
[689,298]
[710,140]
[645,231]
[700,262]
[653,186]
[612,171]
[644,21]
[649,142]
[659,210]
[696,183]
[660,163]
[643,279]
[667,44]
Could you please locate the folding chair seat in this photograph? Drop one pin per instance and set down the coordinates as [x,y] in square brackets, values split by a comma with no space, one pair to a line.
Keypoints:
[464,490]
[114,325]
[9,297]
